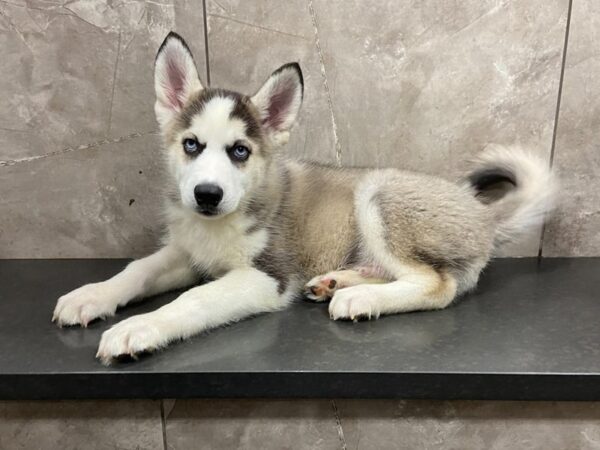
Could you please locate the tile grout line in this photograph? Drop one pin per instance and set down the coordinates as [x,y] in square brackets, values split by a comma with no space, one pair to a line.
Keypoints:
[338,423]
[163,423]
[100,143]
[561,82]
[206,57]
[557,112]
[338,147]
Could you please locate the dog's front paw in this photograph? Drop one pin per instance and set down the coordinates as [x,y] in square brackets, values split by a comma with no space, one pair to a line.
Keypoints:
[138,334]
[81,306]
[354,303]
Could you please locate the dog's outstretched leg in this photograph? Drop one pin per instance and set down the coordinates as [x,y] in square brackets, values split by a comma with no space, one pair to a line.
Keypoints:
[240,293]
[167,269]
[418,288]
[322,287]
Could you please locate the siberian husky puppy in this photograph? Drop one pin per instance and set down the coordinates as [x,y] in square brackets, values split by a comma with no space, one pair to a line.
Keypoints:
[266,228]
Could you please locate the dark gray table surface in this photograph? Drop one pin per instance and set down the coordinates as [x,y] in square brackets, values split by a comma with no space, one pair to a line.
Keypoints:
[530,331]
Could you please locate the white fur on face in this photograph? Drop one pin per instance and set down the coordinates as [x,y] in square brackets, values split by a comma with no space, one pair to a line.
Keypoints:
[215,128]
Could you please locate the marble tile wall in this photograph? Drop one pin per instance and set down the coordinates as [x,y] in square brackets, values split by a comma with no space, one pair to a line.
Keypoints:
[422,85]
[79,151]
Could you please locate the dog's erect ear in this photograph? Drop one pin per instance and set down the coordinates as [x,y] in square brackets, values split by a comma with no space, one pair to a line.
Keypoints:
[175,77]
[279,99]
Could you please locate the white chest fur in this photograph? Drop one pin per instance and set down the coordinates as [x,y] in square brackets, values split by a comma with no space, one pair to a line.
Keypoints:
[216,246]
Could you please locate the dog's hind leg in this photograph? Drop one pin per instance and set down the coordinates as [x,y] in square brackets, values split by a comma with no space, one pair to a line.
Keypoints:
[167,269]
[322,287]
[419,287]
[429,236]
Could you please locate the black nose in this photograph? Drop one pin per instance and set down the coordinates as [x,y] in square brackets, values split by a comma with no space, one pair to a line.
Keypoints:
[208,195]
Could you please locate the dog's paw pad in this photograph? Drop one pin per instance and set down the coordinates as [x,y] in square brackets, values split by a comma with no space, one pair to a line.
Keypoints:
[321,288]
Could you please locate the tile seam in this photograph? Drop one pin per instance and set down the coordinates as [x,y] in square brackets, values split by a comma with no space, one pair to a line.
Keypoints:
[206,47]
[338,148]
[338,423]
[557,111]
[97,144]
[163,424]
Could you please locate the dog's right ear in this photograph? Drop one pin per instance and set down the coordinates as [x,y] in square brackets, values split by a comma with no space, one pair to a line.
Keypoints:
[175,78]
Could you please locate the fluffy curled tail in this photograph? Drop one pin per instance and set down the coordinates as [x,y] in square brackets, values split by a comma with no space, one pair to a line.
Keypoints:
[517,185]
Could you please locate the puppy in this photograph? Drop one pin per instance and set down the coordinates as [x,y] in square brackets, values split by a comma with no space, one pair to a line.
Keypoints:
[266,228]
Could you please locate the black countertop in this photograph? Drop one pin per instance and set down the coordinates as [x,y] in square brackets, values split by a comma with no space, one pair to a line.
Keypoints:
[529,331]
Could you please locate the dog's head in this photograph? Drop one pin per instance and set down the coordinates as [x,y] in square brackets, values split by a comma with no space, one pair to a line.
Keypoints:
[220,142]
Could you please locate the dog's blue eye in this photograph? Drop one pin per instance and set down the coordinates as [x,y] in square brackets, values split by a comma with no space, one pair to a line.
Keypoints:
[240,153]
[190,146]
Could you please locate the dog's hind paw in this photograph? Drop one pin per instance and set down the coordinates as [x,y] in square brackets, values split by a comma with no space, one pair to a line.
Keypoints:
[354,303]
[323,287]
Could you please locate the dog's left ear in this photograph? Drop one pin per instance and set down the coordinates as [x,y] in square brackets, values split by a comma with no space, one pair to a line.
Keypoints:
[175,78]
[279,100]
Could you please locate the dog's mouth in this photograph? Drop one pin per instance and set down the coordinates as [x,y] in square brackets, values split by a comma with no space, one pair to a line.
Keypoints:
[208,211]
